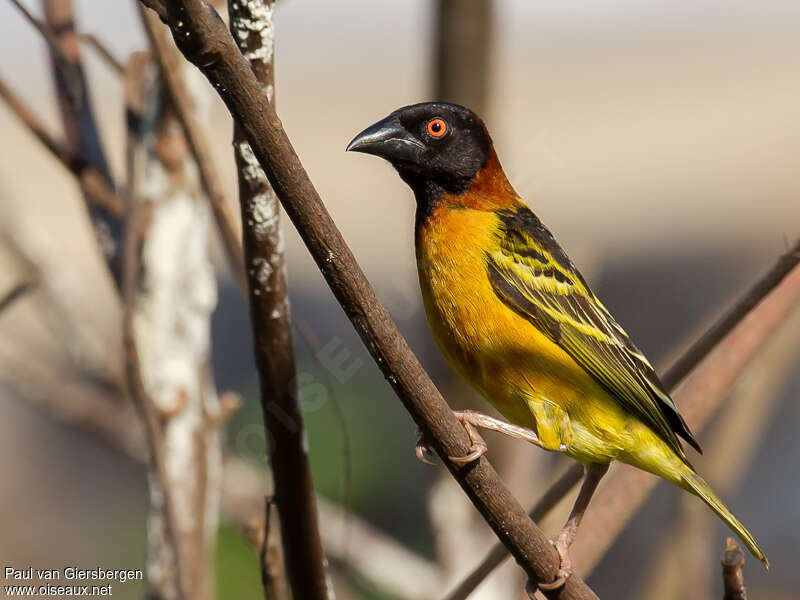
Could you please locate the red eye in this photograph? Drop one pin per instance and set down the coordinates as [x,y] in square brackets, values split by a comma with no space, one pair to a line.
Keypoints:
[437,128]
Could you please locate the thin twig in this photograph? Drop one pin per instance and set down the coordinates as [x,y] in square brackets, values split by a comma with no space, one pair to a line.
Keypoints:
[273,571]
[168,60]
[700,349]
[16,292]
[93,183]
[103,52]
[210,47]
[264,535]
[732,578]
[696,354]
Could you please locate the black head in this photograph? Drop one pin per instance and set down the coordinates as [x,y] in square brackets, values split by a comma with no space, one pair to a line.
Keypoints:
[433,145]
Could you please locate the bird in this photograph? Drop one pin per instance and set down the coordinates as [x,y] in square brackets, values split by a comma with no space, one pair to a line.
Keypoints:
[515,318]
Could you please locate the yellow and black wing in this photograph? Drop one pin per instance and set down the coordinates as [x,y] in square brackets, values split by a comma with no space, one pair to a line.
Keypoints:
[532,274]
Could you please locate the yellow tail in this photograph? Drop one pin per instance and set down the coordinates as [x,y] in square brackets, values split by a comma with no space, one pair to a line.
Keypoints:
[692,482]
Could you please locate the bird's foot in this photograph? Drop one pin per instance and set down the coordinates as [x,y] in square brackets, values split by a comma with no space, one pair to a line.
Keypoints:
[561,544]
[478,446]
[423,449]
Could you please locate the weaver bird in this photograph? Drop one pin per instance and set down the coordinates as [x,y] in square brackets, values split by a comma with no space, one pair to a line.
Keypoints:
[516,319]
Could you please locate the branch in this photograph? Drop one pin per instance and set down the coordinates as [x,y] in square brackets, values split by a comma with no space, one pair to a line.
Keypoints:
[203,39]
[716,339]
[15,293]
[737,435]
[265,537]
[499,553]
[95,186]
[134,240]
[103,52]
[294,496]
[45,31]
[169,61]
[732,563]
[168,323]
[99,409]
[759,290]
[463,52]
[77,116]
[699,396]
[376,557]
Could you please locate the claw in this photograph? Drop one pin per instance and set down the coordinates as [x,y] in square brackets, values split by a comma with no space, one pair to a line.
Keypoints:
[478,447]
[423,449]
[477,450]
[564,569]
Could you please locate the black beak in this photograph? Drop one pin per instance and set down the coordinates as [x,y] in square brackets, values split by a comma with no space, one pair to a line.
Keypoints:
[390,140]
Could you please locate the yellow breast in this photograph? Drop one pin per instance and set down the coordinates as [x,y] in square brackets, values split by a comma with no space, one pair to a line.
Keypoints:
[520,371]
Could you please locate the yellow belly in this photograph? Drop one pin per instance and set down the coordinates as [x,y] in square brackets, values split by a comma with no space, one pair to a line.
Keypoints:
[529,379]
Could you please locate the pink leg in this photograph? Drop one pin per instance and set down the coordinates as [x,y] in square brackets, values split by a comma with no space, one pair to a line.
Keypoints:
[564,540]
[472,419]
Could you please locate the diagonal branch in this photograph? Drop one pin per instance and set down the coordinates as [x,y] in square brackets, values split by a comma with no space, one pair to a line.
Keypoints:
[93,183]
[757,292]
[103,52]
[203,39]
[715,339]
[77,117]
[15,293]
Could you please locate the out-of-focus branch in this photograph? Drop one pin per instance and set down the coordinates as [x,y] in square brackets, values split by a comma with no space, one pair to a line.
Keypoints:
[205,41]
[265,537]
[15,293]
[168,323]
[103,52]
[499,553]
[698,396]
[164,583]
[463,52]
[55,47]
[350,542]
[685,562]
[83,137]
[45,31]
[714,339]
[169,60]
[702,347]
[82,404]
[93,183]
[732,578]
[251,23]
[376,557]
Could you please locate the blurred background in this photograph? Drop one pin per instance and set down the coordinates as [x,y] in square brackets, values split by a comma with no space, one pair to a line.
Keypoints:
[658,140]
